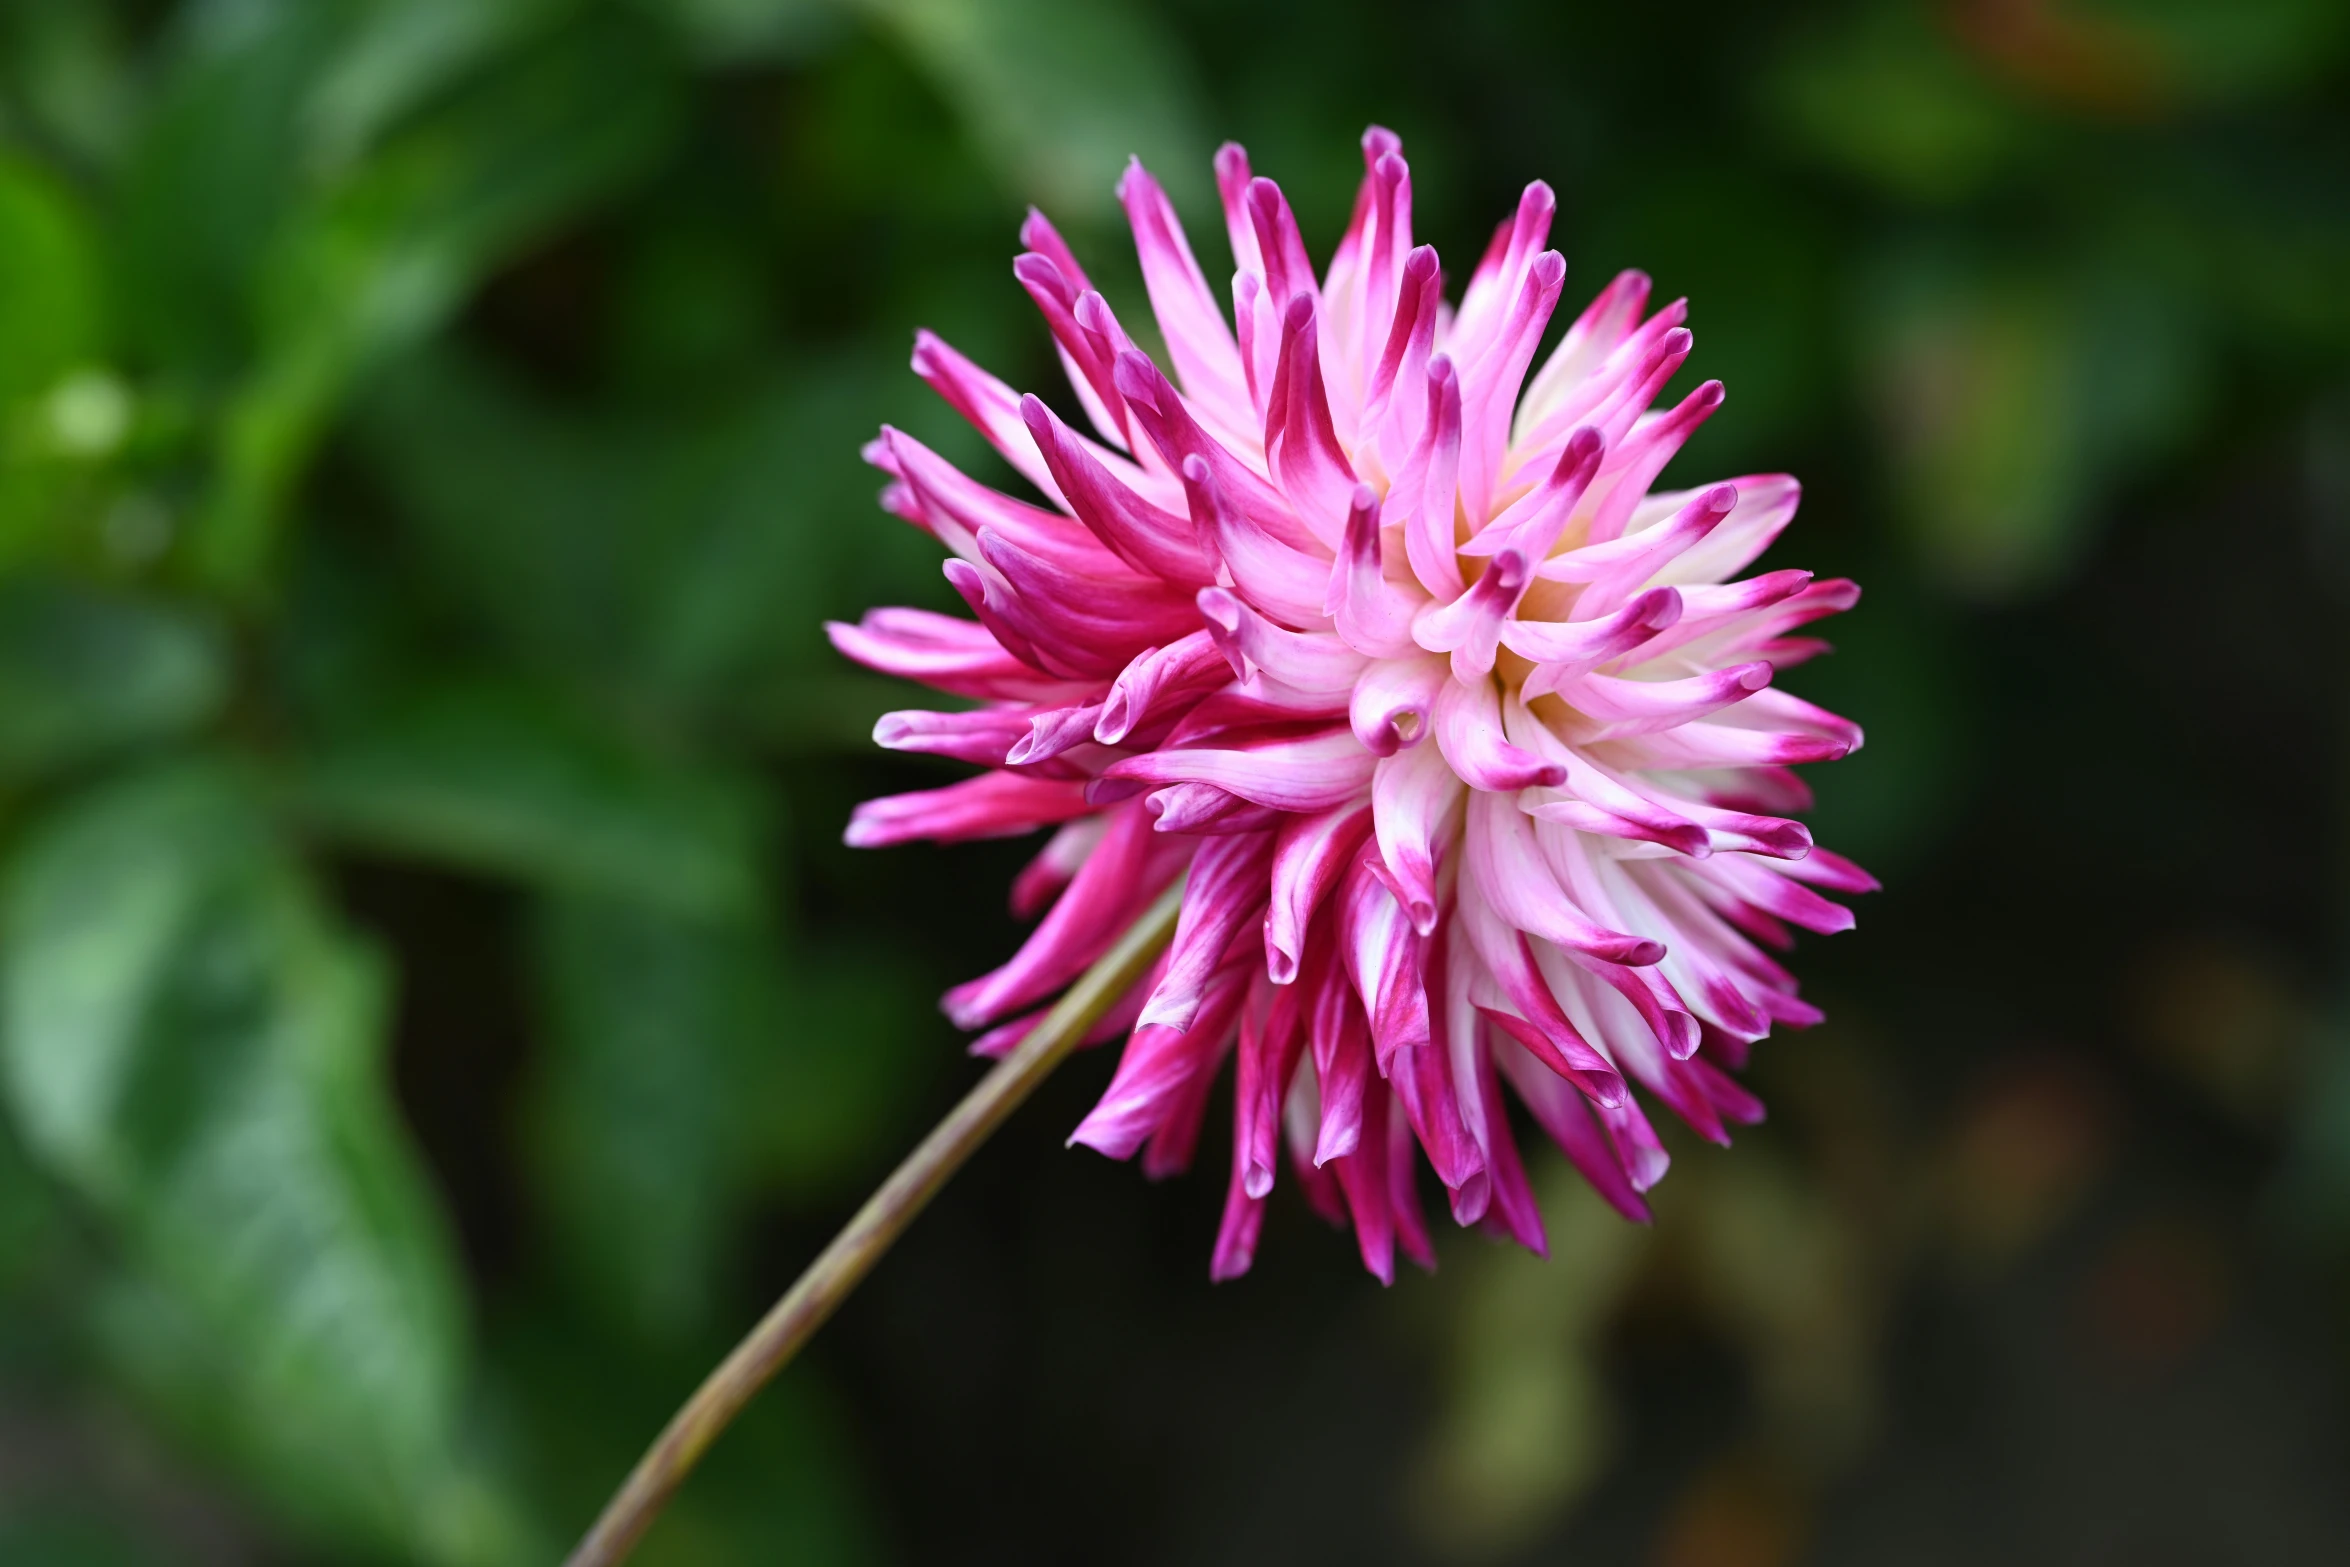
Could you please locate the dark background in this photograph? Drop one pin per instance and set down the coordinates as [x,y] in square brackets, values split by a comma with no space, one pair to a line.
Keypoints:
[437,1014]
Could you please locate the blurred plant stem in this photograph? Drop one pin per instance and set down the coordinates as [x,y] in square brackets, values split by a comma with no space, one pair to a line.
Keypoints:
[769,1347]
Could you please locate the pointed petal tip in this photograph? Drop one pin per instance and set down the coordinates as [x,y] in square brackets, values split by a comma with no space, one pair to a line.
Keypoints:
[1472,1198]
[1104,1136]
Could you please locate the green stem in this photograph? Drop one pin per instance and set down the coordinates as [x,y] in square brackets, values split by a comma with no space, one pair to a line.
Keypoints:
[769,1347]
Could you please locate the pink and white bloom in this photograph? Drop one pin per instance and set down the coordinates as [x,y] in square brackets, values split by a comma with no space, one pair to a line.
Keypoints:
[1468,741]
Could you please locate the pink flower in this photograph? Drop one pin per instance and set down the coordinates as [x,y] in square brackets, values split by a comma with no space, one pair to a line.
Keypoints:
[1467,741]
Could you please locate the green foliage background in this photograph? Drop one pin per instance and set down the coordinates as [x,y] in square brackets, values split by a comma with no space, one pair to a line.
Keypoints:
[434,1009]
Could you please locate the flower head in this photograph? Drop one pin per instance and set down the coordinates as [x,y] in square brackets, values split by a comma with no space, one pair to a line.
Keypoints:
[1467,741]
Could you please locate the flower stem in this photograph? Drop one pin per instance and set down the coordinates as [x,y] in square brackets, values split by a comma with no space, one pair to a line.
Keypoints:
[793,1320]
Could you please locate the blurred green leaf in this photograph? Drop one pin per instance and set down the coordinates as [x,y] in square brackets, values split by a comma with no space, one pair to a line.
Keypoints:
[51,312]
[61,413]
[1884,94]
[693,1067]
[69,1537]
[209,178]
[381,256]
[730,32]
[506,780]
[194,1049]
[685,563]
[2229,51]
[83,673]
[1060,93]
[66,78]
[397,54]
[29,1225]
[651,1023]
[2008,399]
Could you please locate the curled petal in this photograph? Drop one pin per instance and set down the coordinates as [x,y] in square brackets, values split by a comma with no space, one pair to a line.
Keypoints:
[1393,705]
[1565,649]
[1197,339]
[1469,627]
[944,652]
[1163,1074]
[1469,732]
[1415,806]
[1106,893]
[994,410]
[993,805]
[1159,543]
[1383,957]
[1373,614]
[1517,880]
[1314,470]
[1278,577]
[1623,707]
[1159,680]
[1316,663]
[1429,485]
[1206,810]
[1309,855]
[982,736]
[1225,896]
[1594,335]
[1310,772]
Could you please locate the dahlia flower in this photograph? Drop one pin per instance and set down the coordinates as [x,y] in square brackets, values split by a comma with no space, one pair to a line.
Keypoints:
[1467,742]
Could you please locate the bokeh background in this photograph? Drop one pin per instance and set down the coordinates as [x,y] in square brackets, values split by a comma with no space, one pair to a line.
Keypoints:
[436,1011]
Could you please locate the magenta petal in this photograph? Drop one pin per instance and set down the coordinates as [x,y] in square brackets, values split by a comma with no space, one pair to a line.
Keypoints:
[1470,737]
[1310,853]
[1308,773]
[1468,746]
[1105,894]
[1225,896]
[1163,1077]
[1150,540]
[1383,956]
[1415,804]
[1157,680]
[993,805]
[1197,339]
